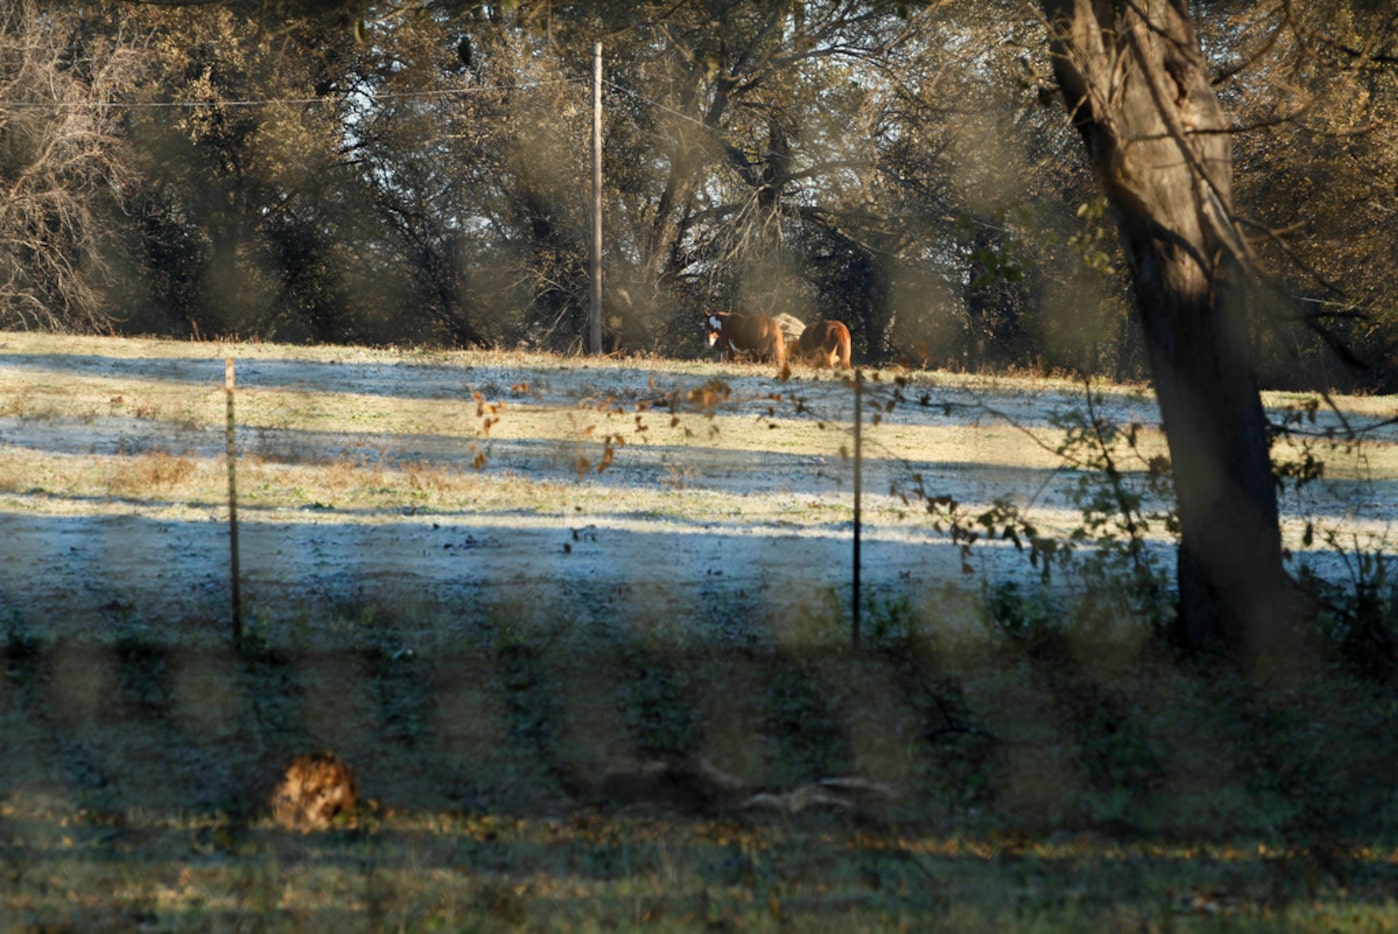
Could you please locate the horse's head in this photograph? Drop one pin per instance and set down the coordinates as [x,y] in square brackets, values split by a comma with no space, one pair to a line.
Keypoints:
[713,325]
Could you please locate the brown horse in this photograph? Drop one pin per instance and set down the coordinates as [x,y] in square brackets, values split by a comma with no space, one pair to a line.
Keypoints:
[827,342]
[743,335]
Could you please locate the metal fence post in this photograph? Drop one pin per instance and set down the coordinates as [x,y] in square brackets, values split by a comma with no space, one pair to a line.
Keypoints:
[858,491]
[233,506]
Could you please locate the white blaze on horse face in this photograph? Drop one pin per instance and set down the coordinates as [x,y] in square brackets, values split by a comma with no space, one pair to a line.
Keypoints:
[715,327]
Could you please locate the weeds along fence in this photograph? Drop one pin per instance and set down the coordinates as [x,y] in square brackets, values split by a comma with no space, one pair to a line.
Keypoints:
[793,541]
[609,443]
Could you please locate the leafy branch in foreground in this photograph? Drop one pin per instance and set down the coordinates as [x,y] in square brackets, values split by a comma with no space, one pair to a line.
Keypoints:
[1123,492]
[1357,616]
[1115,503]
[1358,619]
[1119,489]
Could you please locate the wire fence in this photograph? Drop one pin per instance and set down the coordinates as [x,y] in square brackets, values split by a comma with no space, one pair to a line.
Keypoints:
[610,443]
[505,585]
[429,483]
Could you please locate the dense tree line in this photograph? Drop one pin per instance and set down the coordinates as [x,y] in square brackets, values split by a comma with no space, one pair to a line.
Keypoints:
[418,172]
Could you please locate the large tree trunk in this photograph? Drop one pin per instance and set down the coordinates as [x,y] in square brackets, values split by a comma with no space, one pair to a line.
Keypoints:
[1138,90]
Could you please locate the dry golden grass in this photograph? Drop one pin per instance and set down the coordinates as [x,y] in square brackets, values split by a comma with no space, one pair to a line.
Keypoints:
[149,474]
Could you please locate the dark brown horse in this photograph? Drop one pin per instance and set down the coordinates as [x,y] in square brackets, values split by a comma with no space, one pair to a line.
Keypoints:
[827,342]
[740,335]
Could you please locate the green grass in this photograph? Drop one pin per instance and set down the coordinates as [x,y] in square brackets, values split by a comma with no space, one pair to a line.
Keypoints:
[553,783]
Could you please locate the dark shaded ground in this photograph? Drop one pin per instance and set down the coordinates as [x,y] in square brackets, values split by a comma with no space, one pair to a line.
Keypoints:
[1083,781]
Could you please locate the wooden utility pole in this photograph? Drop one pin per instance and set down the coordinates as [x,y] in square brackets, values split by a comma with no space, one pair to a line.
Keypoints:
[596,259]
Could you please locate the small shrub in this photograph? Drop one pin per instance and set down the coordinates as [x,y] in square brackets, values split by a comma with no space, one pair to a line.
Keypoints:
[891,618]
[660,718]
[1031,618]
[1357,621]
[314,790]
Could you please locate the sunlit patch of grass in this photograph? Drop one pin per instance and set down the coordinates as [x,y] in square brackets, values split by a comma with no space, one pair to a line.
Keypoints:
[345,478]
[431,480]
[144,409]
[29,405]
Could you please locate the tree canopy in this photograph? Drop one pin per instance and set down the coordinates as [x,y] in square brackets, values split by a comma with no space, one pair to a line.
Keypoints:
[418,171]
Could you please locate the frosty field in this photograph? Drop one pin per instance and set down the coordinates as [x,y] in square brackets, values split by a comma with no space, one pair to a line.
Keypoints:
[677,495]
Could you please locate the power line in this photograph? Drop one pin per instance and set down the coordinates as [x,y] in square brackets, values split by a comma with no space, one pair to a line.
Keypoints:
[665,107]
[329,99]
[270,101]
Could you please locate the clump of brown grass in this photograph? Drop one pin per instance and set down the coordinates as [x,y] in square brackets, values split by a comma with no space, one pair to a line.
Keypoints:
[144,409]
[155,470]
[21,405]
[343,473]
[430,477]
[313,790]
